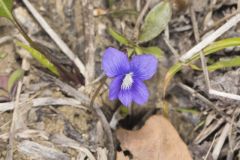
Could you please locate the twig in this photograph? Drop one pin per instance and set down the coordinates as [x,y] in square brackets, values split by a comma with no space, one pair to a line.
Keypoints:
[62,45]
[208,40]
[205,100]
[209,150]
[70,91]
[106,126]
[117,116]
[221,140]
[4,125]
[43,102]
[99,78]
[208,16]
[14,126]
[173,50]
[204,134]
[139,19]
[138,5]
[238,5]
[224,94]
[168,43]
[197,38]
[218,23]
[89,37]
[5,39]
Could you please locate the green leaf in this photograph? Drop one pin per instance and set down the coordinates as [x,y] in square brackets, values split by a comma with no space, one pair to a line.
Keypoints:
[40,58]
[118,37]
[130,51]
[119,13]
[214,47]
[156,21]
[150,50]
[14,77]
[188,110]
[6,9]
[232,62]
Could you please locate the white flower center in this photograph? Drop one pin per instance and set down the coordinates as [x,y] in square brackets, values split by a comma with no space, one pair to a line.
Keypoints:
[127,81]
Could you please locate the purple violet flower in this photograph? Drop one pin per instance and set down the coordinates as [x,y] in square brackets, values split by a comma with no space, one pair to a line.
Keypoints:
[127,84]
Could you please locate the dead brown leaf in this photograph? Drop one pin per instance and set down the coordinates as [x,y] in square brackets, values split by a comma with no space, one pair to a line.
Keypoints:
[156,140]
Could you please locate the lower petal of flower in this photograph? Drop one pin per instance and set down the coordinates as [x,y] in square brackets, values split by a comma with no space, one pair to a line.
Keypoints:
[125,96]
[115,87]
[139,92]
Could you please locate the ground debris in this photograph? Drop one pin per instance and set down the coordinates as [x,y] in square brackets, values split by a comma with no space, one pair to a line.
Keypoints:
[38,151]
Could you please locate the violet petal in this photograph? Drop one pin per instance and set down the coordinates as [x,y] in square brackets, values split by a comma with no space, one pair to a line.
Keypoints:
[139,92]
[125,96]
[144,66]
[115,62]
[115,87]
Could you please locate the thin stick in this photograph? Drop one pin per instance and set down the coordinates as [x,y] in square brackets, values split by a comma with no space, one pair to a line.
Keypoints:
[13,125]
[208,40]
[209,150]
[205,100]
[43,102]
[221,140]
[89,37]
[5,39]
[62,45]
[139,19]
[197,37]
[224,94]
[138,5]
[99,78]
[168,43]
[238,6]
[106,125]
[219,22]
[170,47]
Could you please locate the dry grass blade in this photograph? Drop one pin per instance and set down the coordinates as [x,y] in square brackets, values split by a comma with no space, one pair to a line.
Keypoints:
[140,18]
[224,94]
[210,148]
[67,142]
[38,151]
[208,131]
[197,38]
[62,45]
[17,122]
[89,28]
[208,40]
[37,102]
[221,140]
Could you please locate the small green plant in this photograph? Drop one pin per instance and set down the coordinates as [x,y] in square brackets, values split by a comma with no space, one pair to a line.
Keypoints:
[37,51]
[128,75]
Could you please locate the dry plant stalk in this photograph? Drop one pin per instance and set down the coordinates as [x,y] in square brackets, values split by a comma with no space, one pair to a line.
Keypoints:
[205,42]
